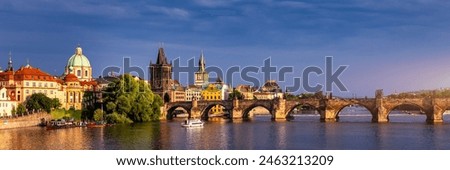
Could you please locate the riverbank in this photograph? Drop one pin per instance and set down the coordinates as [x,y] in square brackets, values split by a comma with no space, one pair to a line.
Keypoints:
[23,121]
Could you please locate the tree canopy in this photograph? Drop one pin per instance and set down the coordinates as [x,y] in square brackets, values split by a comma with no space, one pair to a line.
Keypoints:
[131,100]
[39,101]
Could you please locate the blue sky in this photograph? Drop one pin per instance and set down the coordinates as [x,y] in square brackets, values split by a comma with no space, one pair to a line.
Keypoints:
[387,44]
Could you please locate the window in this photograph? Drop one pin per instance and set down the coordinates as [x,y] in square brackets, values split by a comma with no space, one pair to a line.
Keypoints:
[40,84]
[27,92]
[27,84]
[51,84]
[78,73]
[85,73]
[34,84]
[45,85]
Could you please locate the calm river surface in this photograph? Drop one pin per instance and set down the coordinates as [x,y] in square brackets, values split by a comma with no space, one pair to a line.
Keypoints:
[306,132]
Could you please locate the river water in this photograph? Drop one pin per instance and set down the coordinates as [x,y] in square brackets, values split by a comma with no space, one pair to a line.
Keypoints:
[353,131]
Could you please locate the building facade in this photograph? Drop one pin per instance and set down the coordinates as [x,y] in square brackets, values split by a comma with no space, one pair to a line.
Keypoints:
[6,104]
[69,89]
[246,91]
[270,90]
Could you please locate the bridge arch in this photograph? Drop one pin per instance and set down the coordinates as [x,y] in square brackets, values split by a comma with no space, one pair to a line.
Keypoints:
[367,108]
[293,107]
[420,108]
[171,111]
[204,114]
[247,110]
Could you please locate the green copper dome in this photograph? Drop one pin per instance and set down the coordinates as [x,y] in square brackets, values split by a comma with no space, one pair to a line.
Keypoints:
[78,59]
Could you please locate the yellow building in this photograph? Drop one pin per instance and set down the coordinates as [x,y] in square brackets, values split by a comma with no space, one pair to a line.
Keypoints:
[213,93]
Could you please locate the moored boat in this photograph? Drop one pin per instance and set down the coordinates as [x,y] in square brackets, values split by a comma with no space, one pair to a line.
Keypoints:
[96,124]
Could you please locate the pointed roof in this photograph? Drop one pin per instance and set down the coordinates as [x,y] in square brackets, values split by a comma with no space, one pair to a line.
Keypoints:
[10,63]
[201,63]
[161,58]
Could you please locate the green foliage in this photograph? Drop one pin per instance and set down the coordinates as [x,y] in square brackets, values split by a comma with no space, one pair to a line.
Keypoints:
[21,109]
[307,96]
[235,94]
[131,100]
[290,96]
[98,115]
[117,118]
[422,94]
[13,111]
[40,101]
[62,113]
[55,103]
[111,107]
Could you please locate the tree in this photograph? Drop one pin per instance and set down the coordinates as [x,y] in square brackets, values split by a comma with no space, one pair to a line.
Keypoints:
[21,109]
[98,115]
[13,112]
[40,101]
[235,94]
[55,103]
[131,100]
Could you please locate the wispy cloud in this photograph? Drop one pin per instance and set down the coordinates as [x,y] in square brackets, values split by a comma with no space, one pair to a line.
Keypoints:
[104,10]
[215,3]
[77,7]
[172,12]
[294,4]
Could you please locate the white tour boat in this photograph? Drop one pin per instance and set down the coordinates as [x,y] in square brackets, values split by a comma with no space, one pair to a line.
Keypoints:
[192,123]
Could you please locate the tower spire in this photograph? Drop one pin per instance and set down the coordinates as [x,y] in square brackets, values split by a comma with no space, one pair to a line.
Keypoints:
[161,58]
[201,63]
[10,63]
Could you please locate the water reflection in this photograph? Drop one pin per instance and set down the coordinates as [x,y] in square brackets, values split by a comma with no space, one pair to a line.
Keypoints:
[304,132]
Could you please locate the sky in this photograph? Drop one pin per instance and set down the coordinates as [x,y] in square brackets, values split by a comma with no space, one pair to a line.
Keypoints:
[393,45]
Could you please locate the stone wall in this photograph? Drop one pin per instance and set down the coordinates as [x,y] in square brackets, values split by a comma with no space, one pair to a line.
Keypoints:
[23,121]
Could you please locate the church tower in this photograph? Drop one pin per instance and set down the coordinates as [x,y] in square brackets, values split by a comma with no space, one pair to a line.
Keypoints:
[201,76]
[161,75]
[10,63]
[79,65]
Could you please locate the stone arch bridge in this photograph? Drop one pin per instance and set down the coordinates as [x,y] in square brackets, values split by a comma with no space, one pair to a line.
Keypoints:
[328,108]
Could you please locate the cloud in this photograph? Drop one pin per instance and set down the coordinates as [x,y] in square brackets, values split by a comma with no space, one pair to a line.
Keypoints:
[105,10]
[172,12]
[294,4]
[78,7]
[215,3]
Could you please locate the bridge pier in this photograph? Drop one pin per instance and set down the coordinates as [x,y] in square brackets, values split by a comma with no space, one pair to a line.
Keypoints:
[279,111]
[328,115]
[163,112]
[381,116]
[436,116]
[195,110]
[236,112]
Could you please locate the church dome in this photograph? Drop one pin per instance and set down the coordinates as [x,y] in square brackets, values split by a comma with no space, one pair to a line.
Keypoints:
[78,59]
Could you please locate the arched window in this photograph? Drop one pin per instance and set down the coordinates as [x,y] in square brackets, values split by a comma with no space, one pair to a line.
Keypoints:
[85,73]
[78,73]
